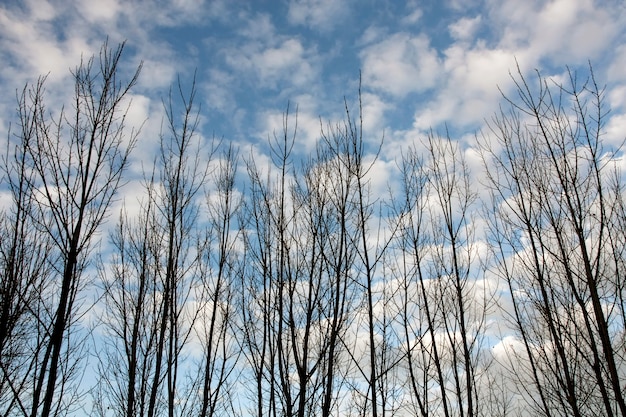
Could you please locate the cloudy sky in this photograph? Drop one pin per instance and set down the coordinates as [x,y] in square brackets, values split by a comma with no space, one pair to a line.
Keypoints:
[430,64]
[423,64]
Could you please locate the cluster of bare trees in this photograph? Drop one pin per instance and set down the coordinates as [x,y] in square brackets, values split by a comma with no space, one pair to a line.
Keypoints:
[62,175]
[557,233]
[286,286]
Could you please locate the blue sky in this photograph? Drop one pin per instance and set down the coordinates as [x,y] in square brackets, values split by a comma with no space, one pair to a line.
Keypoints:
[439,65]
[424,64]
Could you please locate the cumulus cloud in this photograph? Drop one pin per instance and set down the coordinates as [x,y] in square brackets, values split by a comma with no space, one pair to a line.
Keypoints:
[558,30]
[413,17]
[470,92]
[99,11]
[31,46]
[616,130]
[303,117]
[466,76]
[374,109]
[273,63]
[465,28]
[317,14]
[400,64]
[616,69]
[287,62]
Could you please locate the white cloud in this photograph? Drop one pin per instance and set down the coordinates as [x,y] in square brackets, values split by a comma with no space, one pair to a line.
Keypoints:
[462,5]
[374,108]
[616,97]
[508,347]
[465,28]
[372,34]
[6,202]
[101,10]
[574,29]
[287,63]
[616,130]
[400,64]
[217,91]
[380,175]
[558,30]
[273,62]
[259,28]
[616,71]
[138,110]
[157,74]
[302,117]
[318,14]
[31,46]
[470,92]
[167,13]
[42,10]
[413,17]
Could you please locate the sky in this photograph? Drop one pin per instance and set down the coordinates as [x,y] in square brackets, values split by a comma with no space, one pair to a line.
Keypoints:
[422,65]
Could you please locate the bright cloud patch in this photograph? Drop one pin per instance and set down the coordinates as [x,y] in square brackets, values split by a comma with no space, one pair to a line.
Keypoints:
[400,64]
[465,28]
[319,14]
[286,62]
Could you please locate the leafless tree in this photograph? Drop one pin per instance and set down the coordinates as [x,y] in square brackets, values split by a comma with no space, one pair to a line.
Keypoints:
[462,310]
[263,285]
[361,226]
[298,288]
[70,172]
[217,308]
[555,229]
[132,315]
[417,305]
[182,169]
[152,288]
[303,288]
[25,270]
[331,186]
[441,311]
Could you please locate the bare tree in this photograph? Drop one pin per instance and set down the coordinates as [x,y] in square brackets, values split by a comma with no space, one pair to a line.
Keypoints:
[462,311]
[152,290]
[352,150]
[181,175]
[322,291]
[309,292]
[331,188]
[222,264]
[441,312]
[25,271]
[556,205]
[418,305]
[298,285]
[133,309]
[70,173]
[255,302]
[265,322]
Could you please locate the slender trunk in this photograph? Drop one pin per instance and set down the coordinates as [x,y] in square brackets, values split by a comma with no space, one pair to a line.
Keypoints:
[60,323]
